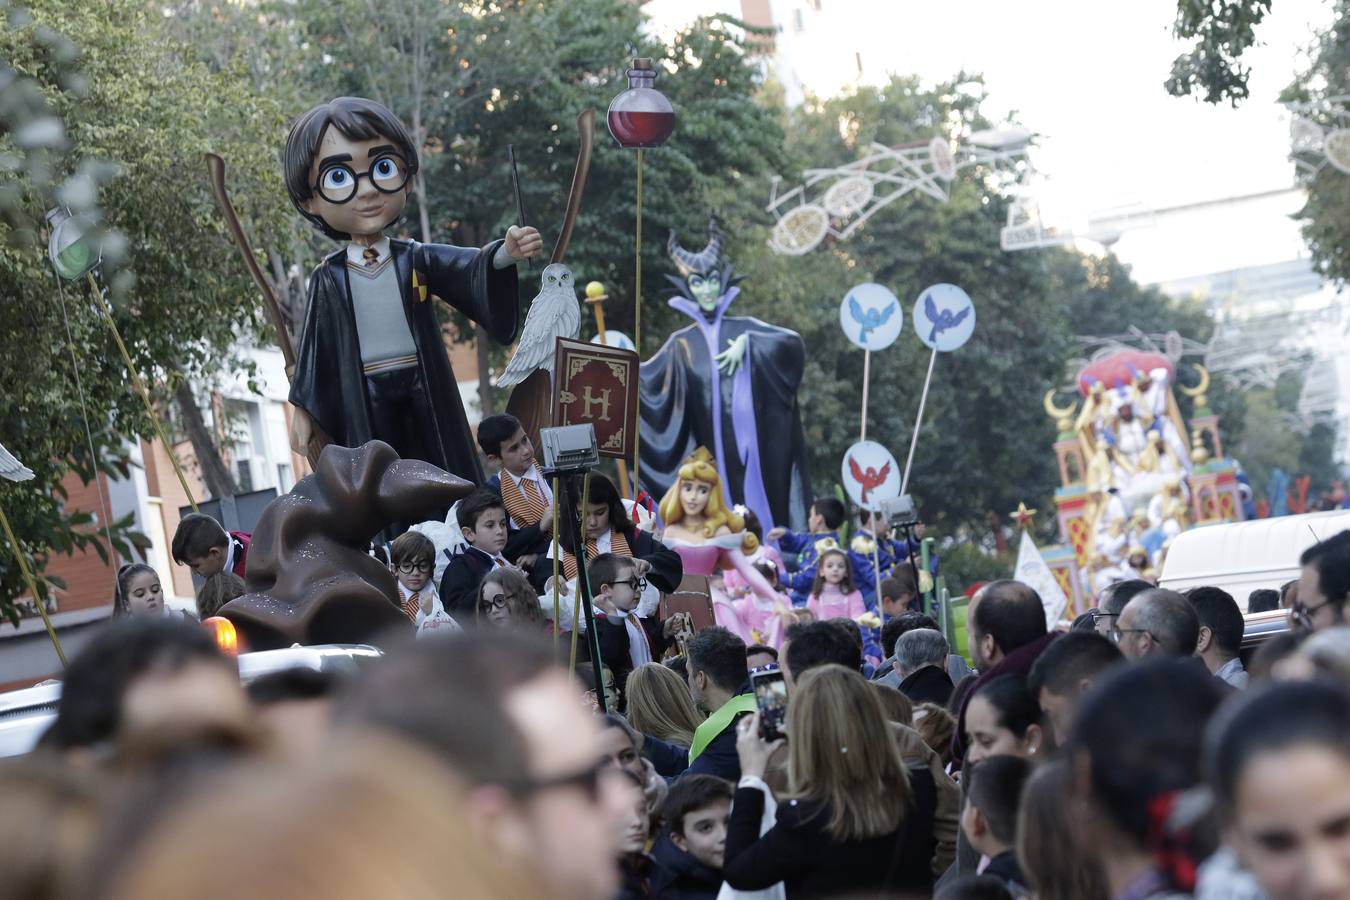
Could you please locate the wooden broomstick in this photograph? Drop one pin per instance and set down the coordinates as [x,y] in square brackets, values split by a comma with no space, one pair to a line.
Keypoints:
[216,167]
[531,401]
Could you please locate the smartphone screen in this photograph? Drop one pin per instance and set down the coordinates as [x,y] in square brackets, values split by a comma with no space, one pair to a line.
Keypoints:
[771,695]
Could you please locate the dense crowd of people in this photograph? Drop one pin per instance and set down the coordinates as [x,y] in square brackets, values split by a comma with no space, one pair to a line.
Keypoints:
[1141,751]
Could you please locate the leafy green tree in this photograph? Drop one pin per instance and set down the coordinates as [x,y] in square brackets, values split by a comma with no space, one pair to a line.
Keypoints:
[1326,215]
[1222,31]
[133,96]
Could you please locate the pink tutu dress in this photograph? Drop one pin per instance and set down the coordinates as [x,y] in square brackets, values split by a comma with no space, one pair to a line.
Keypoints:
[754,617]
[832,603]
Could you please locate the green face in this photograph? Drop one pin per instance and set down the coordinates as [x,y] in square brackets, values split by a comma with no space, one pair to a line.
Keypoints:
[706,289]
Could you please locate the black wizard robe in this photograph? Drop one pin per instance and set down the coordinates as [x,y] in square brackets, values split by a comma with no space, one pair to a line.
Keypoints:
[750,421]
[329,383]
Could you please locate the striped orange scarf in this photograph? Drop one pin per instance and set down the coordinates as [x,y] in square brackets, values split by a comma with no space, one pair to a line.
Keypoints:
[618,545]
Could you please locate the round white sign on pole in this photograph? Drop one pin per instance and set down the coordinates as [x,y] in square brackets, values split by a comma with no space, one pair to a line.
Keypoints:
[871,316]
[944,317]
[870,475]
[614,339]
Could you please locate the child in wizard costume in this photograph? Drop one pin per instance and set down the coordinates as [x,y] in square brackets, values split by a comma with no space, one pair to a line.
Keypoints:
[728,383]
[371,363]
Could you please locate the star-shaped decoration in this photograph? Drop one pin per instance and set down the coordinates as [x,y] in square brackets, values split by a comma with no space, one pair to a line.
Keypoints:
[1023,516]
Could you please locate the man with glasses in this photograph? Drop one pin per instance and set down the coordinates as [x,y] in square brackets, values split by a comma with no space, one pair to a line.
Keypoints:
[1157,622]
[626,639]
[540,790]
[1112,600]
[371,361]
[1324,585]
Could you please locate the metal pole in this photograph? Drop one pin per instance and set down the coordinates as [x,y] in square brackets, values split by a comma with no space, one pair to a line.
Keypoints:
[556,515]
[637,328]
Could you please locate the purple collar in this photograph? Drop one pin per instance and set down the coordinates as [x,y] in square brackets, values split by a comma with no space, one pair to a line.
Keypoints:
[695,312]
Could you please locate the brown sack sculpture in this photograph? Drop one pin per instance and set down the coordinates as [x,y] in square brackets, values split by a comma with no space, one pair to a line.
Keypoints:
[310,579]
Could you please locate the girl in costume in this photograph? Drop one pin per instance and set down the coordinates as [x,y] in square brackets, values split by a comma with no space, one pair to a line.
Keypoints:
[833,595]
[709,538]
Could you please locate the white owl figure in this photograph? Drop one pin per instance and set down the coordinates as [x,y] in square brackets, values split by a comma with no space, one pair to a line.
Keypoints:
[554,313]
[11,469]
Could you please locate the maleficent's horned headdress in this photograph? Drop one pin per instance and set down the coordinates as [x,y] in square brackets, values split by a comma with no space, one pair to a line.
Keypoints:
[709,258]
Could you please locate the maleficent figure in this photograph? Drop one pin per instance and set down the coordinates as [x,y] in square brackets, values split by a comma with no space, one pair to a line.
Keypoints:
[728,383]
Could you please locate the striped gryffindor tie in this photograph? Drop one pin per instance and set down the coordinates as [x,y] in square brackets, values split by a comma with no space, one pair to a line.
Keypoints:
[411,604]
[524,506]
[618,545]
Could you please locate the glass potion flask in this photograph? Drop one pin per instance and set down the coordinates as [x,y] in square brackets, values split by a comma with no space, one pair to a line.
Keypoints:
[641,116]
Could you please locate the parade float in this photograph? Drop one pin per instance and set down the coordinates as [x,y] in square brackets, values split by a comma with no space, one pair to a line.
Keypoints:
[1134,473]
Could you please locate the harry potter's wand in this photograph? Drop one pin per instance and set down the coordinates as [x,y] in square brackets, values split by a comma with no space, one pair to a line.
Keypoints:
[515,189]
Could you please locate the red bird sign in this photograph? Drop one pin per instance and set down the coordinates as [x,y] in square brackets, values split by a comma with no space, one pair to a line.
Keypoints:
[869,478]
[870,474]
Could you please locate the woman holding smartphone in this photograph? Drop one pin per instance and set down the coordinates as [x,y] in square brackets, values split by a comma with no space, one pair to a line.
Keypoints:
[853,820]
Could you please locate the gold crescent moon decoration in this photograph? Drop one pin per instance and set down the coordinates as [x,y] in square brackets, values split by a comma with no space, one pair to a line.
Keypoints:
[1200,389]
[1054,411]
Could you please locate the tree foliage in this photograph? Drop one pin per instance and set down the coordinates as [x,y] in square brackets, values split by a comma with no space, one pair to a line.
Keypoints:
[1326,215]
[133,98]
[1222,31]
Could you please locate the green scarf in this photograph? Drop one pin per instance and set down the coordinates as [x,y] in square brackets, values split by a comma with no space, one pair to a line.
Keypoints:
[719,722]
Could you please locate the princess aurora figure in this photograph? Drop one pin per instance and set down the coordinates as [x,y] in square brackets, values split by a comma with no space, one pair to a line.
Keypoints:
[711,538]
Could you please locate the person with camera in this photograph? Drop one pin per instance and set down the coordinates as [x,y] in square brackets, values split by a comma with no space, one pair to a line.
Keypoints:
[845,823]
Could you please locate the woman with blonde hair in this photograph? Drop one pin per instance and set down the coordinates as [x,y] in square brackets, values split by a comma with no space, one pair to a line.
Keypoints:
[855,821]
[377,818]
[711,538]
[659,705]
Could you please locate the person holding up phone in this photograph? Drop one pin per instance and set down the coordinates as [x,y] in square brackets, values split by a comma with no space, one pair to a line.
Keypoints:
[848,823]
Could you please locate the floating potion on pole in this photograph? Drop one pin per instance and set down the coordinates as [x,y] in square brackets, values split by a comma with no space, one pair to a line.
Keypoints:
[640,118]
[944,319]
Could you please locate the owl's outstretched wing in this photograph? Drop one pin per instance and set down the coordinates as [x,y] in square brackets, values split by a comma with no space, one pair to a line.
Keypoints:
[887,313]
[11,469]
[930,309]
[959,317]
[554,313]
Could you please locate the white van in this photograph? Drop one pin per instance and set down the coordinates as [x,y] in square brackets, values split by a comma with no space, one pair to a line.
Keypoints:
[1244,556]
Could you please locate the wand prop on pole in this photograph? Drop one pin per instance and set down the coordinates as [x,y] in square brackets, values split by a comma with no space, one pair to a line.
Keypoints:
[13,470]
[515,189]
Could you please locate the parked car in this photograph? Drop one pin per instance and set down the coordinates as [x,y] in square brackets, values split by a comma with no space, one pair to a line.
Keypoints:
[26,713]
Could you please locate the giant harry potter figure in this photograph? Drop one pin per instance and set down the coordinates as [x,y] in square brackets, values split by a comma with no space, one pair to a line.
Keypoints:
[728,383]
[371,362]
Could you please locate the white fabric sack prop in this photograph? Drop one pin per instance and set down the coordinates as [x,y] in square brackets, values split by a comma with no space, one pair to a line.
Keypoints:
[447,537]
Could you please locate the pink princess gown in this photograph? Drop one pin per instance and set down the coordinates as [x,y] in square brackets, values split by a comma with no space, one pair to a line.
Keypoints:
[755,617]
[832,603]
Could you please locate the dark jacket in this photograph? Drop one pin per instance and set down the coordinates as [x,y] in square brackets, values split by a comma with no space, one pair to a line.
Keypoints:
[668,759]
[678,876]
[1008,870]
[931,684]
[329,383]
[612,636]
[799,852]
[720,757]
[667,568]
[460,582]
[636,871]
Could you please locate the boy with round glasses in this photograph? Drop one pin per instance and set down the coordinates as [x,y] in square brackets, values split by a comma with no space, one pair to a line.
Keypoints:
[370,360]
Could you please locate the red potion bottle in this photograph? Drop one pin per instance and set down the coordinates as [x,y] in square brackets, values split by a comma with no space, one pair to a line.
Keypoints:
[641,117]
